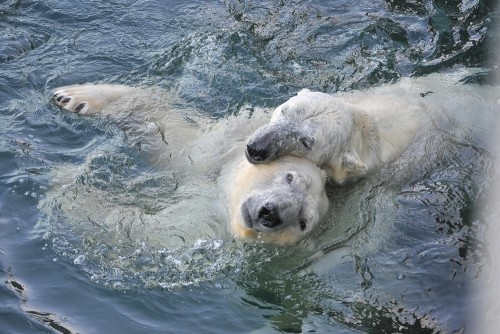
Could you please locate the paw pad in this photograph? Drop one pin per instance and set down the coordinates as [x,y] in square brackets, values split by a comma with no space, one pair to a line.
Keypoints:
[80,107]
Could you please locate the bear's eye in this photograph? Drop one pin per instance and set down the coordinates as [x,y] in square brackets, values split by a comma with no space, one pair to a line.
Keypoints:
[307,142]
[289,178]
[302,225]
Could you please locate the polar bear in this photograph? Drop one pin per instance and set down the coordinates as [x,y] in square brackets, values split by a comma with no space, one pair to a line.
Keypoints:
[348,134]
[278,203]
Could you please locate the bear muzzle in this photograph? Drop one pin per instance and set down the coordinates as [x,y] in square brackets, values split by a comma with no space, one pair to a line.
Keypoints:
[256,154]
[268,216]
[263,218]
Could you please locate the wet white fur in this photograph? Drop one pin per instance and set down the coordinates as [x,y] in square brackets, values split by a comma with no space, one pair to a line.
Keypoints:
[199,148]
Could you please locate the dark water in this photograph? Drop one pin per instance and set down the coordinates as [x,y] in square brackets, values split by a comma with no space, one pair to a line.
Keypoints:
[420,247]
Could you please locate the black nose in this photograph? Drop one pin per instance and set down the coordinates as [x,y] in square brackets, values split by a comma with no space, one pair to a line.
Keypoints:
[268,215]
[256,154]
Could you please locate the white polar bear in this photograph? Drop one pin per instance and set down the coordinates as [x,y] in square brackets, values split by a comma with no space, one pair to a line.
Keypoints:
[348,134]
[279,203]
[279,196]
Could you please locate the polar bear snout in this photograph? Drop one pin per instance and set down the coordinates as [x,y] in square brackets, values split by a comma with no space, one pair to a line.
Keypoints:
[277,139]
[264,145]
[256,154]
[268,215]
[260,217]
[268,212]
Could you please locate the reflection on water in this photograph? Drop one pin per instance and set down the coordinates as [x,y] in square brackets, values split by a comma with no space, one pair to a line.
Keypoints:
[400,250]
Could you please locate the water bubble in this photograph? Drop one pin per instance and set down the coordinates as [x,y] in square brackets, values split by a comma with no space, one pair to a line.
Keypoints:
[217,244]
[401,276]
[80,259]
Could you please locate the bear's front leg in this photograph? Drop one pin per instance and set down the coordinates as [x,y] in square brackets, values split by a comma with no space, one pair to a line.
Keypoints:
[352,164]
[89,98]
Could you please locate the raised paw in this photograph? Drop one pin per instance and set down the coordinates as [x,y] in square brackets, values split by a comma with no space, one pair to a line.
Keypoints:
[89,98]
[72,99]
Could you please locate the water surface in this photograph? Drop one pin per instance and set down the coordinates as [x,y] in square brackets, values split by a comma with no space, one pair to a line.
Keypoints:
[403,257]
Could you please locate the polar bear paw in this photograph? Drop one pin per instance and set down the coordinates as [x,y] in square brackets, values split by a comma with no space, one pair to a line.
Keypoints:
[89,98]
[76,99]
[352,163]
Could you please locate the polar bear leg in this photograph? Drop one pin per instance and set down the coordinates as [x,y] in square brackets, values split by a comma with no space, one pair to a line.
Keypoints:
[353,164]
[89,98]
[345,166]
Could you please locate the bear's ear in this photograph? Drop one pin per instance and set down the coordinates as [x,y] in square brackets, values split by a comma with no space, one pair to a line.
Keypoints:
[307,142]
[304,91]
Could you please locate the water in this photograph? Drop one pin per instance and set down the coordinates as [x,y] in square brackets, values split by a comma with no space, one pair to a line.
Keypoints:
[403,256]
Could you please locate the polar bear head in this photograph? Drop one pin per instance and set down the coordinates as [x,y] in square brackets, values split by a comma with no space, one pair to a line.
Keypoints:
[279,202]
[302,127]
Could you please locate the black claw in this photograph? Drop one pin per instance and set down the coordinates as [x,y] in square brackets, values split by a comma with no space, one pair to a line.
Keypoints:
[59,98]
[79,107]
[66,100]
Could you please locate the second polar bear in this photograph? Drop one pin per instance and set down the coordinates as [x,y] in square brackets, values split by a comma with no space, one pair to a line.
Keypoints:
[347,134]
[352,134]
